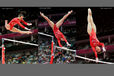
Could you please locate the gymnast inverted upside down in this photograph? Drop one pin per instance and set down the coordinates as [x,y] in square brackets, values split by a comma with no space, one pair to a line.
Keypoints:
[94,42]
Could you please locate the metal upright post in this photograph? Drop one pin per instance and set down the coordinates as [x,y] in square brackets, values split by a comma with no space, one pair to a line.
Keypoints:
[3,52]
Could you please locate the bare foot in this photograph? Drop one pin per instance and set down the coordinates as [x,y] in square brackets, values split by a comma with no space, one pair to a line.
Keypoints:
[89,11]
[41,14]
[26,32]
[70,11]
[29,32]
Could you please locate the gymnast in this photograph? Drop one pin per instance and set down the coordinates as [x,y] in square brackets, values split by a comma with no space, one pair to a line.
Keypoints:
[10,26]
[55,27]
[94,42]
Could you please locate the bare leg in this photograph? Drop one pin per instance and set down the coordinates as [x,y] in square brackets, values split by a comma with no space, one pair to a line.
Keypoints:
[48,20]
[19,31]
[89,28]
[7,26]
[59,43]
[64,39]
[91,24]
[60,22]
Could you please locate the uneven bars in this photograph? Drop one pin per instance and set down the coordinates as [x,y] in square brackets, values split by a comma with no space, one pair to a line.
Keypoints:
[64,48]
[93,60]
[20,42]
[45,34]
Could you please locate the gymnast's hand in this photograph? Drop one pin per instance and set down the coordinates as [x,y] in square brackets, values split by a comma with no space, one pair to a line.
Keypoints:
[97,60]
[104,50]
[68,44]
[29,24]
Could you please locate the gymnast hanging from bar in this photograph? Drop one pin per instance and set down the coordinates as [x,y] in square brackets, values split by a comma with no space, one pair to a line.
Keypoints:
[94,42]
[59,35]
[10,26]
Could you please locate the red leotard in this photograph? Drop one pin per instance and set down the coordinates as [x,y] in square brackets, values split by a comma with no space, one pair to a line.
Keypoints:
[94,41]
[15,21]
[58,35]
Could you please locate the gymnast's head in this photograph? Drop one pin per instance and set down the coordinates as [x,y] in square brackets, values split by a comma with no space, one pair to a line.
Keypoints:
[20,16]
[98,49]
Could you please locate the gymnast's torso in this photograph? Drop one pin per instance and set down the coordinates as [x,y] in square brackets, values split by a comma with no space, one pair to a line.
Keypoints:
[57,32]
[93,39]
[15,21]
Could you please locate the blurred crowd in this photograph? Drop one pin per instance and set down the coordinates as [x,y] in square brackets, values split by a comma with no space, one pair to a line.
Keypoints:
[19,57]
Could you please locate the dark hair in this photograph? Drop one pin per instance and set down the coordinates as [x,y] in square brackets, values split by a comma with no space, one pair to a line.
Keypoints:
[20,15]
